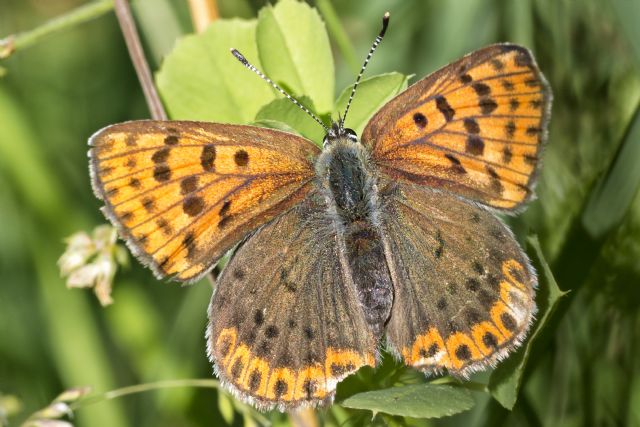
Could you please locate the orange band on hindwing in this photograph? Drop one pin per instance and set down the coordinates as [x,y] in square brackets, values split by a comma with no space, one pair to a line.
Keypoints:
[256,377]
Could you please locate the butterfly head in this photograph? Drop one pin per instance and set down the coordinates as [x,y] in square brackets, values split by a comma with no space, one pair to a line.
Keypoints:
[338,132]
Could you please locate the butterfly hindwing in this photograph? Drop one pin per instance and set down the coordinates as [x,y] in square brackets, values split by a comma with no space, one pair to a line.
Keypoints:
[475,127]
[284,322]
[182,193]
[463,287]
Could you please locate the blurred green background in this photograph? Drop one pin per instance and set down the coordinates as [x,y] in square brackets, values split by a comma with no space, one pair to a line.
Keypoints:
[57,92]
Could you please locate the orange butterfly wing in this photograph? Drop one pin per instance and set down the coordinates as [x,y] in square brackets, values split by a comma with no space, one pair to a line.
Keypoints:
[183,193]
[475,127]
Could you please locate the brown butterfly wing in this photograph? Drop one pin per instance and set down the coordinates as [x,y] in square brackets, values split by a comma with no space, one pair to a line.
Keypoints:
[464,290]
[282,328]
[182,193]
[475,127]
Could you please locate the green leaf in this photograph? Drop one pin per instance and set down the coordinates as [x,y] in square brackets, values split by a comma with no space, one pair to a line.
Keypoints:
[274,124]
[418,401]
[225,406]
[201,80]
[284,111]
[295,52]
[614,193]
[372,94]
[506,379]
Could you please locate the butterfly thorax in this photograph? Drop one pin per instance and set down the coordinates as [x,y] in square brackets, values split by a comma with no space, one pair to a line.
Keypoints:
[346,178]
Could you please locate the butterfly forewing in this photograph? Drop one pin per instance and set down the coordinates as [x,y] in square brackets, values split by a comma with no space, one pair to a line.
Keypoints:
[475,127]
[182,193]
[463,287]
[285,326]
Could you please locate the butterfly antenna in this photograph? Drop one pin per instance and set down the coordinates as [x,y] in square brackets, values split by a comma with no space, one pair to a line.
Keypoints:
[247,64]
[376,42]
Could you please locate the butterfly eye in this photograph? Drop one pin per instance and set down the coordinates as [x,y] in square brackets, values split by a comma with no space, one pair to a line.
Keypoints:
[351,134]
[325,140]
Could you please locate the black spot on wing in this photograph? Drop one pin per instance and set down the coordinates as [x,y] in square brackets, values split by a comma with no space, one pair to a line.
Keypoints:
[481,89]
[208,157]
[241,158]
[474,145]
[456,166]
[487,105]
[420,120]
[193,205]
[162,173]
[471,126]
[443,106]
[171,140]
[161,155]
[463,352]
[189,242]
[189,185]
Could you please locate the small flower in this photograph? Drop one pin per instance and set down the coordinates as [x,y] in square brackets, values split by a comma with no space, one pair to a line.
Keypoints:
[47,423]
[92,261]
[7,46]
[73,394]
[9,406]
[79,250]
[54,410]
[50,416]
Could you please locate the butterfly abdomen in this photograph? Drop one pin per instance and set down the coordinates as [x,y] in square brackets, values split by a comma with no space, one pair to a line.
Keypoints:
[371,275]
[348,182]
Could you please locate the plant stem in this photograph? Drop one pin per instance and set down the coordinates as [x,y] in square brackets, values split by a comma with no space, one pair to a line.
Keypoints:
[338,33]
[80,15]
[303,418]
[128,27]
[203,12]
[158,385]
[141,388]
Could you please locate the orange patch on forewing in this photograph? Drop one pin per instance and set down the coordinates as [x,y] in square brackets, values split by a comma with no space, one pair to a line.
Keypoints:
[485,335]
[310,383]
[474,127]
[226,344]
[185,191]
[190,269]
[428,348]
[510,175]
[469,171]
[461,349]
[281,384]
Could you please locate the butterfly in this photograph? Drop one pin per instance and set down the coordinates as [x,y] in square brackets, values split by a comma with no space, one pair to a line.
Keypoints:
[390,237]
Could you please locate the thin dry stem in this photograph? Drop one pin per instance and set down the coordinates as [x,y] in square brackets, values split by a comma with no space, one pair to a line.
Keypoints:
[203,12]
[130,33]
[304,418]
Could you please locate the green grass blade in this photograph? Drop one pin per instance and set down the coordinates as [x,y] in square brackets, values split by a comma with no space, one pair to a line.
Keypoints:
[505,381]
[612,197]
